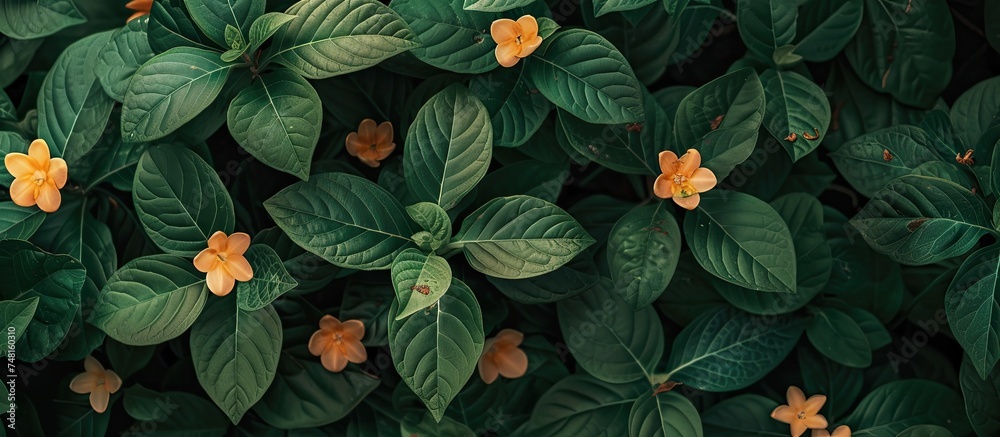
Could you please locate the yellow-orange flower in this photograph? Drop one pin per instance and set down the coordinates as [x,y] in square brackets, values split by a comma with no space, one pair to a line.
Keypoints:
[224,262]
[98,382]
[337,343]
[141,7]
[841,431]
[683,179]
[800,413]
[371,143]
[37,177]
[502,356]
[515,39]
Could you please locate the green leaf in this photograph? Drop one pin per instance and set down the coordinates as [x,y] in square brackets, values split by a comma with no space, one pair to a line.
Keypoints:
[182,77]
[180,200]
[212,17]
[973,310]
[419,280]
[766,25]
[150,300]
[449,147]
[602,7]
[306,395]
[919,220]
[608,338]
[577,276]
[333,37]
[842,385]
[277,119]
[309,270]
[127,360]
[15,55]
[110,160]
[520,237]
[433,219]
[55,280]
[348,221]
[825,28]
[174,413]
[28,19]
[903,50]
[234,40]
[436,351]
[876,333]
[270,279]
[862,160]
[725,349]
[516,112]
[369,300]
[428,425]
[925,431]
[795,105]
[170,26]
[264,27]
[16,314]
[72,106]
[582,405]
[122,56]
[742,414]
[235,353]
[837,336]
[18,222]
[495,5]
[451,38]
[785,57]
[974,112]
[584,74]
[982,399]
[663,415]
[742,240]
[643,250]
[893,407]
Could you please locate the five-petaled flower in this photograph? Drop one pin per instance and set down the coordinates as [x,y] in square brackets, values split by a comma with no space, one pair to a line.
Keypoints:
[98,382]
[224,262]
[841,431]
[515,39]
[141,7]
[502,356]
[683,179]
[337,343]
[371,144]
[37,177]
[800,413]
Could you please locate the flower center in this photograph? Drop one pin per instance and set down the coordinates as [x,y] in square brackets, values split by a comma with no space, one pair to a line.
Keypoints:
[221,257]
[679,179]
[517,39]
[100,382]
[338,338]
[372,147]
[801,415]
[39,177]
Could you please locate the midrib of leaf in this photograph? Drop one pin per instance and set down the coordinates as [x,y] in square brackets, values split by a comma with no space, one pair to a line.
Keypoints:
[320,41]
[629,350]
[353,225]
[744,249]
[714,353]
[31,215]
[580,79]
[76,116]
[284,129]
[170,95]
[177,198]
[447,159]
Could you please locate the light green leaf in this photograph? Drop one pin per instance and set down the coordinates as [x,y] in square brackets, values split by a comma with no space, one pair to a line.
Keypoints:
[584,74]
[837,336]
[72,106]
[520,237]
[270,279]
[182,77]
[277,119]
[175,413]
[213,16]
[419,280]
[29,19]
[582,405]
[433,219]
[825,28]
[234,40]
[893,407]
[18,222]
[742,240]
[494,5]
[608,338]
[663,415]
[347,220]
[333,37]
[973,309]
[449,147]
[516,112]
[982,398]
[795,105]
[602,7]
[643,251]
[766,25]
[235,353]
[451,38]
[16,314]
[919,220]
[862,160]
[725,349]
[150,300]
[436,351]
[264,27]
[122,56]
[180,200]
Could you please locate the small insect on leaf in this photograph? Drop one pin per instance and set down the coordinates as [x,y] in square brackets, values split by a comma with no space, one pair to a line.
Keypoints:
[813,136]
[633,127]
[886,156]
[422,289]
[965,160]
[718,121]
[665,387]
[792,137]
[915,223]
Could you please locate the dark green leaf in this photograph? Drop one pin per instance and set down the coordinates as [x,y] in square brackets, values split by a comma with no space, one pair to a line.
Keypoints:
[270,279]
[795,105]
[663,415]
[766,25]
[643,250]
[122,56]
[28,19]
[837,336]
[212,17]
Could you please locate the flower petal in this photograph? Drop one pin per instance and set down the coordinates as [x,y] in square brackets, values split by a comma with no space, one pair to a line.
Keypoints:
[783,413]
[528,47]
[237,243]
[92,365]
[383,134]
[796,399]
[373,163]
[239,268]
[329,323]
[19,164]
[703,180]
[366,131]
[354,351]
[668,162]
[814,404]
[529,27]
[383,152]
[815,422]
[112,381]
[798,428]
[206,260]
[220,282]
[39,151]
[842,431]
[488,370]
[510,337]
[48,199]
[820,433]
[354,144]
[83,383]
[353,328]
[689,203]
[512,363]
[319,342]
[22,192]
[663,187]
[506,54]
[58,172]
[99,400]
[504,30]
[218,241]
[333,360]
[689,162]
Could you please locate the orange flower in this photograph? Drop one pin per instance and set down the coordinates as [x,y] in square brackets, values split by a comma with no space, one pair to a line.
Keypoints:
[98,382]
[337,343]
[501,355]
[683,178]
[37,177]
[371,144]
[841,431]
[141,7]
[224,262]
[800,413]
[515,39]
